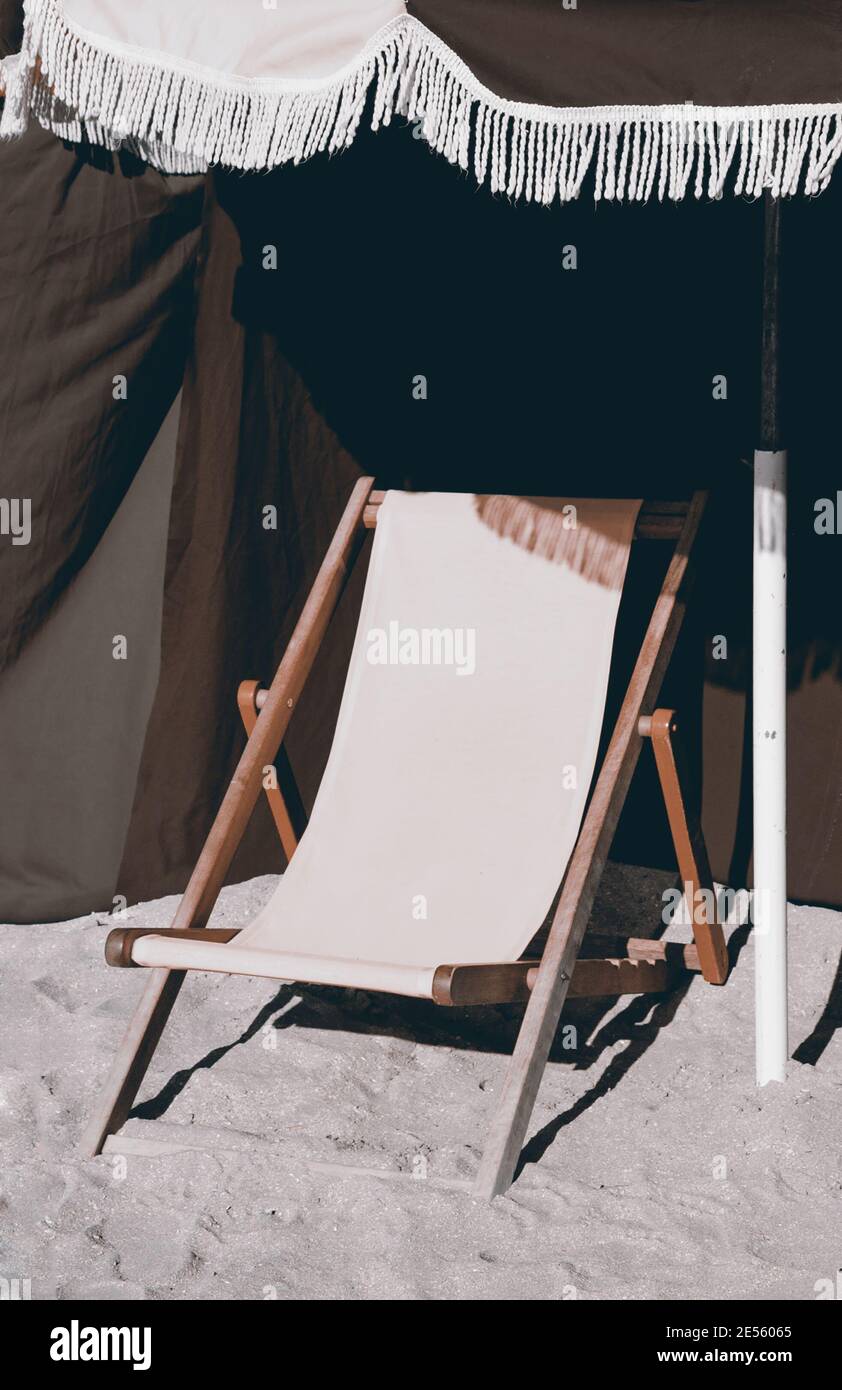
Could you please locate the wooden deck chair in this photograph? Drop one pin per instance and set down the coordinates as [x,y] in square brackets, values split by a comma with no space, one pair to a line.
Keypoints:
[459,793]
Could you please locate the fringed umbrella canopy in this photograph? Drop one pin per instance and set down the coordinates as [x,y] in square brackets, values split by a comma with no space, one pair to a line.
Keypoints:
[653,98]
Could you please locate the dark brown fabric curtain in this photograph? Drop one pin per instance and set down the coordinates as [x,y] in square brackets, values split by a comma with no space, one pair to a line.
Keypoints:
[295,380]
[97,284]
[250,439]
[390,265]
[97,258]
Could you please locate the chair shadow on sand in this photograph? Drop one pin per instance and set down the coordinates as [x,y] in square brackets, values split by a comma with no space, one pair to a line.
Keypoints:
[810,1050]
[490,1030]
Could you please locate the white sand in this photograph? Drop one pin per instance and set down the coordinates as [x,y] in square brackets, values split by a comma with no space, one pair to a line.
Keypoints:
[663,1172]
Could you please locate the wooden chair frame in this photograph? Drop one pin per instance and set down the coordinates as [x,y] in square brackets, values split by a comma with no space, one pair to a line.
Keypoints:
[544,982]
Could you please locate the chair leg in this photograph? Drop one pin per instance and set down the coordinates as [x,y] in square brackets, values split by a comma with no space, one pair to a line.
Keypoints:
[523,1076]
[132,1058]
[138,1045]
[690,848]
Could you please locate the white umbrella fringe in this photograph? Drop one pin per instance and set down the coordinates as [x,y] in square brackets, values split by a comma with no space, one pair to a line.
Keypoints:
[184,118]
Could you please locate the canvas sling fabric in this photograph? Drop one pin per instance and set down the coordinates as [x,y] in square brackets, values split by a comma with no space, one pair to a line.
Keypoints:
[652,98]
[464,749]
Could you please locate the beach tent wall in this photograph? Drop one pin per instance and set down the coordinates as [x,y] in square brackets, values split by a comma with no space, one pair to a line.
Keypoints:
[298,379]
[96,286]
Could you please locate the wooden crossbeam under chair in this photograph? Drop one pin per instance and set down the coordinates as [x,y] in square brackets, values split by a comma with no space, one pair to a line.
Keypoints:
[284,801]
[541,982]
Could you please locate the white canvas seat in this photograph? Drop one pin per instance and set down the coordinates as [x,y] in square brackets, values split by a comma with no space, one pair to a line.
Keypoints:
[463,753]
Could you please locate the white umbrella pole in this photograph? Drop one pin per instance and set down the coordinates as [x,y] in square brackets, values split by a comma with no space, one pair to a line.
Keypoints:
[769,753]
[769,693]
